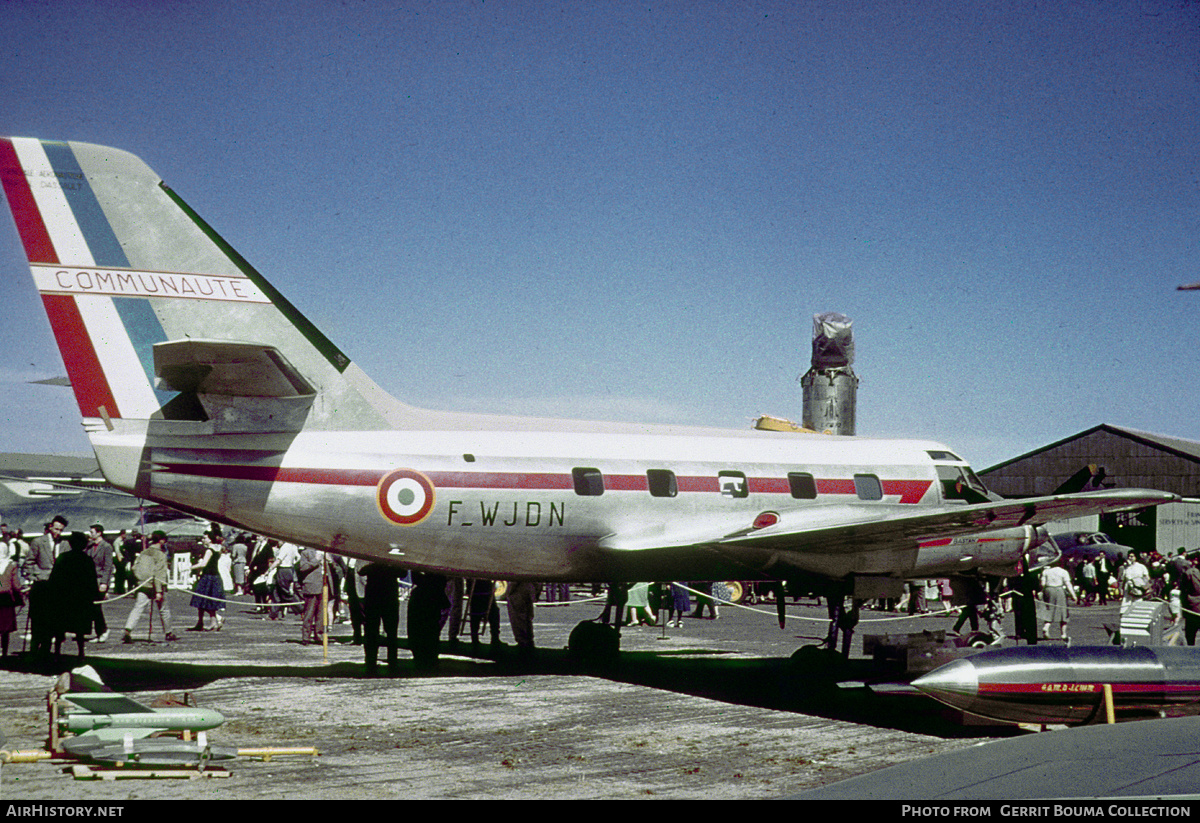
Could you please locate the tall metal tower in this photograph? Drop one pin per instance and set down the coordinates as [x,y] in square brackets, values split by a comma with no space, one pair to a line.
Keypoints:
[831,386]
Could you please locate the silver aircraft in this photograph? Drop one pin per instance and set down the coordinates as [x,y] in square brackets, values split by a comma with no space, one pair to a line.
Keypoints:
[201,387]
[30,500]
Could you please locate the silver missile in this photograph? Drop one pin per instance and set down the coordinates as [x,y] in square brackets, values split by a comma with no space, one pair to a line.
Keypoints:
[1057,684]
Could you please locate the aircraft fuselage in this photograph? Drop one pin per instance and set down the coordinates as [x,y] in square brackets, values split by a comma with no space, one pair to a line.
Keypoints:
[547,505]
[203,388]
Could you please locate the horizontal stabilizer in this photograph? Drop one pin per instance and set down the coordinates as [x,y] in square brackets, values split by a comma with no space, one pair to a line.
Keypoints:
[228,367]
[242,387]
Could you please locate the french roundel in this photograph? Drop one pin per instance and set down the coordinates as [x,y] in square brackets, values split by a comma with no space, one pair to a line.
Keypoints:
[405,496]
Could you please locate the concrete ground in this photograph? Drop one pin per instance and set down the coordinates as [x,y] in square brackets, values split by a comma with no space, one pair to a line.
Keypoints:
[714,709]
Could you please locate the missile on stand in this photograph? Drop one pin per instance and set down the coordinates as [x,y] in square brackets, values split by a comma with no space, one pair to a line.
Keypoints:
[1057,684]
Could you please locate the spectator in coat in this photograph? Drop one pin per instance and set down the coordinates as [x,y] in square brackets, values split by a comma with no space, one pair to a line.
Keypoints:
[10,596]
[150,573]
[73,593]
[312,581]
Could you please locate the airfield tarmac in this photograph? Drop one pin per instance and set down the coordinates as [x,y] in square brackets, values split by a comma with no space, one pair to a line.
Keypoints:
[715,709]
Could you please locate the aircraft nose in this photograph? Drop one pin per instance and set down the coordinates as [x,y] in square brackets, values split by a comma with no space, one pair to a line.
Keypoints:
[956,683]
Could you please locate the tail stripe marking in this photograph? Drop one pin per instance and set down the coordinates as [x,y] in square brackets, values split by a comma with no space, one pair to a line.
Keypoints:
[94,227]
[47,207]
[113,343]
[34,236]
[69,244]
[144,330]
[83,366]
[99,341]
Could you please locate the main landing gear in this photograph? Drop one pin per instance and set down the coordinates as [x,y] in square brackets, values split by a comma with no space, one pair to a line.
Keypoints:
[842,620]
[597,643]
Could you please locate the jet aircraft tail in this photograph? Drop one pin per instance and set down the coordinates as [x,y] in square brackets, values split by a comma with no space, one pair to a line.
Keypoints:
[157,317]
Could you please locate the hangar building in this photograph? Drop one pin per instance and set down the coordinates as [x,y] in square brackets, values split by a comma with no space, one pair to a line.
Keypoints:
[1114,457]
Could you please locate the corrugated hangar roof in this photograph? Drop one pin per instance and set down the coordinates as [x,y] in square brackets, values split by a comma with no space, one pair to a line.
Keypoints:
[1129,458]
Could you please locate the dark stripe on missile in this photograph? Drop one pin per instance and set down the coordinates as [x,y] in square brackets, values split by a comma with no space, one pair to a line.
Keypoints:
[1086,688]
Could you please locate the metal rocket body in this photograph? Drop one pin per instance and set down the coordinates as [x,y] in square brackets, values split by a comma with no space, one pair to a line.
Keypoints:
[1056,684]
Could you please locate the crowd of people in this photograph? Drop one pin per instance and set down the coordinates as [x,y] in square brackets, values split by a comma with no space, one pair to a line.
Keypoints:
[1041,598]
[63,577]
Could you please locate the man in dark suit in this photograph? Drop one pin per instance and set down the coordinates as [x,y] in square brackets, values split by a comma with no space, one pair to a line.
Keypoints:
[42,551]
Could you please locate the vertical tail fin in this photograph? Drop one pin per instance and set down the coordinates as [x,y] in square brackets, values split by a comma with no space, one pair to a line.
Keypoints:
[124,268]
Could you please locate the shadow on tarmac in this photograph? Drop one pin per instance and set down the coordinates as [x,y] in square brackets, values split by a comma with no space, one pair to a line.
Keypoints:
[806,683]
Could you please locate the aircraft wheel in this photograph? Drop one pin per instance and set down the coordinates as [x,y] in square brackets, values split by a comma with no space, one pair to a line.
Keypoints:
[594,644]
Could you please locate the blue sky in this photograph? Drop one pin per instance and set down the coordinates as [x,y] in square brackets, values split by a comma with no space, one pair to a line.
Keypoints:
[632,210]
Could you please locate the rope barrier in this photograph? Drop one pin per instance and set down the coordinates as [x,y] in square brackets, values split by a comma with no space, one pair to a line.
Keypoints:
[939,613]
[773,615]
[132,591]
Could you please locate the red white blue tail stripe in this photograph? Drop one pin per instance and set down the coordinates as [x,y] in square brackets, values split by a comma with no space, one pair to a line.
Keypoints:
[99,307]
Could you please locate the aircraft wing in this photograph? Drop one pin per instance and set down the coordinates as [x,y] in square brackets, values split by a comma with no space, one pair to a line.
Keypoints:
[839,528]
[856,528]
[28,504]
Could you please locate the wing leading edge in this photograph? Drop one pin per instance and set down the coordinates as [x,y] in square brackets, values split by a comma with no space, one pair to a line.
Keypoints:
[853,528]
[802,530]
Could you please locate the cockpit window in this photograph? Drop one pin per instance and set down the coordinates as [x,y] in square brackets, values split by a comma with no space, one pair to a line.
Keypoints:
[960,483]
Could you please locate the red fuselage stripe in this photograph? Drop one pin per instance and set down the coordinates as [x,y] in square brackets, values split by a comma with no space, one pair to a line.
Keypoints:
[910,491]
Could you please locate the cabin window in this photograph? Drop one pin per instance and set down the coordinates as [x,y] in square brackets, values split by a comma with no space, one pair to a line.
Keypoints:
[588,482]
[868,487]
[803,485]
[662,483]
[733,484]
